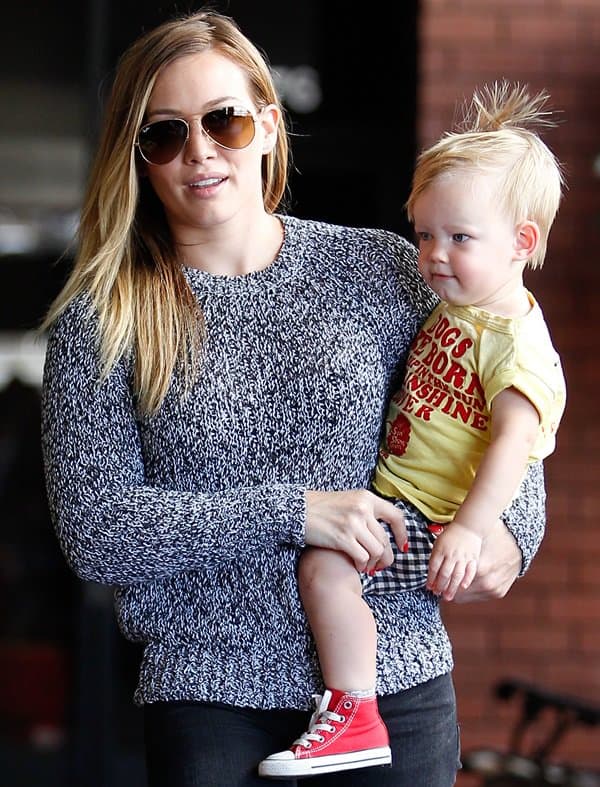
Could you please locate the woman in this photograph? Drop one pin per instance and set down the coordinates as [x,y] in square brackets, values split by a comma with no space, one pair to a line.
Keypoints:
[214,389]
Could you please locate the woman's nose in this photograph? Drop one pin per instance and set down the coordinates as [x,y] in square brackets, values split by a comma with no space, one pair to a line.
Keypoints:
[199,145]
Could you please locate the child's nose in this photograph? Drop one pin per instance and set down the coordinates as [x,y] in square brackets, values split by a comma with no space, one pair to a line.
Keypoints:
[438,251]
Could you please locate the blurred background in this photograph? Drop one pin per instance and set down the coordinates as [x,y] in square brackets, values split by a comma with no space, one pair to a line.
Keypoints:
[365,88]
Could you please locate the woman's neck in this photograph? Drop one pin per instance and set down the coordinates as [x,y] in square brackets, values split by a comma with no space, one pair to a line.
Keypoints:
[229,250]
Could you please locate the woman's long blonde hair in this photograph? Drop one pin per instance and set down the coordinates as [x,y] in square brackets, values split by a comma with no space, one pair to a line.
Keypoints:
[126,259]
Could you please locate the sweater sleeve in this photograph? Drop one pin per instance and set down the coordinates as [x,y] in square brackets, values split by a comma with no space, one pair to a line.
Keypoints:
[526,516]
[113,527]
[411,298]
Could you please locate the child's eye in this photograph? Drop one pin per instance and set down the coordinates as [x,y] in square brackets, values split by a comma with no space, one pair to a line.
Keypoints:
[460,237]
[424,235]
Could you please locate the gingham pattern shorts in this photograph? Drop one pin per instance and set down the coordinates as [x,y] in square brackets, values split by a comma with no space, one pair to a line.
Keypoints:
[409,569]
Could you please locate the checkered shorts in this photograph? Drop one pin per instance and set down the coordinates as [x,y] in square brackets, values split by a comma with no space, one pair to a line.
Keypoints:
[409,569]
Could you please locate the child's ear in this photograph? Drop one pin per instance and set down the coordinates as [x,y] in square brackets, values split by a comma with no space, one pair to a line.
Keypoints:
[527,239]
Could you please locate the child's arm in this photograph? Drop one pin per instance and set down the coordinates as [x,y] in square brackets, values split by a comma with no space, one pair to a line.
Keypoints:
[453,562]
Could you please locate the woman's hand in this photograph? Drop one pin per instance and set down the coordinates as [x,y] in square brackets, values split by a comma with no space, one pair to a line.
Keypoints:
[347,522]
[453,561]
[499,566]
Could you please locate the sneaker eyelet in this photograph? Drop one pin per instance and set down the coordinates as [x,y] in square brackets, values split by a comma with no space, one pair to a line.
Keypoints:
[347,704]
[321,739]
[342,719]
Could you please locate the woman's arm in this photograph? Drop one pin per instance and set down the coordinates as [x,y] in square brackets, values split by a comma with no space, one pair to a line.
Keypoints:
[113,526]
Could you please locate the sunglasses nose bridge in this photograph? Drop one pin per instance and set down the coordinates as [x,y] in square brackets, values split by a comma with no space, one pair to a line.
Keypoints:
[197,129]
[197,139]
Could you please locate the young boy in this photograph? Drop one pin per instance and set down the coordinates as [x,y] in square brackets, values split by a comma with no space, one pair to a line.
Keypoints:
[482,396]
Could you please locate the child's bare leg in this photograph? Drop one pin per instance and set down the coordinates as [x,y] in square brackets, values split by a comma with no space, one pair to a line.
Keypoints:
[341,621]
[346,730]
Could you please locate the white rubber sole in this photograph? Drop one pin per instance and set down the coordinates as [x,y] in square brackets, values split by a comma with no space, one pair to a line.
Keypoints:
[311,766]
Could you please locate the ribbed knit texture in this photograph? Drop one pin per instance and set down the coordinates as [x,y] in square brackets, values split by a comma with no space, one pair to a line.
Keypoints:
[196,515]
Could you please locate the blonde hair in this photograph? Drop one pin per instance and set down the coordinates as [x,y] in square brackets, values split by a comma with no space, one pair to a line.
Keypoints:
[497,136]
[126,259]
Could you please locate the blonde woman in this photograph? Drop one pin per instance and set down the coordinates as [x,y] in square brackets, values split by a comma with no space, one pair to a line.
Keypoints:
[215,383]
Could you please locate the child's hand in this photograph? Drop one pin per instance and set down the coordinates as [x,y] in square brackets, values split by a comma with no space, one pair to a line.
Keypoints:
[453,561]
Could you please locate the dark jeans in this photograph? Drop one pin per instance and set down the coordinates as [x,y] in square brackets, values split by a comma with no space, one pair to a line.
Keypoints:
[213,745]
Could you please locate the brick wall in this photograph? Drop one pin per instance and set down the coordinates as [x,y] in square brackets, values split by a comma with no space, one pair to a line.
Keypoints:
[547,630]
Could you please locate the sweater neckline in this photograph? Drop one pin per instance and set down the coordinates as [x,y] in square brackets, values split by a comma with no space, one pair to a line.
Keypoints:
[282,266]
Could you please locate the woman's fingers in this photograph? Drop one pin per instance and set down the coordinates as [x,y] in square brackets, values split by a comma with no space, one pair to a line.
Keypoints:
[388,512]
[377,544]
[347,521]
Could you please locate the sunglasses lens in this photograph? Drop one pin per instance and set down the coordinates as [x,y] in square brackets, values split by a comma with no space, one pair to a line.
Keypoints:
[230,127]
[162,141]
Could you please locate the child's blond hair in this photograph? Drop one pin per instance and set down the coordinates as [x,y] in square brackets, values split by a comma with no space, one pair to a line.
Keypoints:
[496,136]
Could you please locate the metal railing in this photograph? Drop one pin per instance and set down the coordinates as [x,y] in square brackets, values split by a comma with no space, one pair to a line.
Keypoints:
[544,717]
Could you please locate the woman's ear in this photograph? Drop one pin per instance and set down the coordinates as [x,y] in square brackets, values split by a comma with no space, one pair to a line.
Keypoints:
[527,239]
[270,118]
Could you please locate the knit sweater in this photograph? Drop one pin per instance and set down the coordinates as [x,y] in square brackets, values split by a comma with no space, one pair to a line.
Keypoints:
[196,515]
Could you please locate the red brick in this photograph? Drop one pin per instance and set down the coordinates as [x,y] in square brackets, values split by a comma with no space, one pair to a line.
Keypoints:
[588,574]
[554,30]
[584,607]
[434,63]
[548,571]
[541,637]
[576,6]
[522,66]
[579,675]
[469,637]
[442,25]
[589,638]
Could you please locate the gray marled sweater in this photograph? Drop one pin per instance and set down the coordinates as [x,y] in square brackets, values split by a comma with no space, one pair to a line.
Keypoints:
[196,515]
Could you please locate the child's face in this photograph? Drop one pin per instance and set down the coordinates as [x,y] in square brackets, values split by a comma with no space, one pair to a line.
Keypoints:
[466,243]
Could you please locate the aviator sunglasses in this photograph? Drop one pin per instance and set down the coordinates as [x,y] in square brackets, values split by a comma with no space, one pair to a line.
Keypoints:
[232,128]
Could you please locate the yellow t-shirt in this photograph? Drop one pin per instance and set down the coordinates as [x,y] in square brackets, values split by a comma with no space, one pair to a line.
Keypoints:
[438,424]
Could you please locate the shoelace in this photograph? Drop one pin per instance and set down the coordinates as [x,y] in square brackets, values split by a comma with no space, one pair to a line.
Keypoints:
[319,722]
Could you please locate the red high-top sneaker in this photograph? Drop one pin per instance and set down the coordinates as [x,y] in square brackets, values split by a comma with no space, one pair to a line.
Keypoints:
[345,732]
